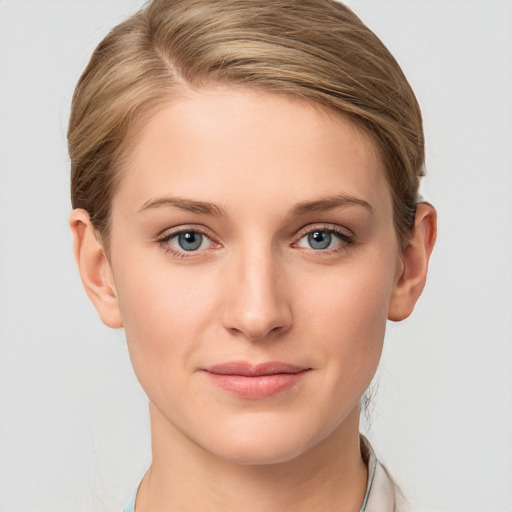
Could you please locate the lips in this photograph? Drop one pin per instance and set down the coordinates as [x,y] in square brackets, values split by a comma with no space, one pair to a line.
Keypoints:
[256,381]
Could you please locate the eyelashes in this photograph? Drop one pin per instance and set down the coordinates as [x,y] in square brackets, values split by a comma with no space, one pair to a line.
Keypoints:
[325,238]
[195,241]
[187,241]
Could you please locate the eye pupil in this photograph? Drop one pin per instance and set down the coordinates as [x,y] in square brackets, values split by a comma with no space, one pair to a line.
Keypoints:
[190,241]
[319,239]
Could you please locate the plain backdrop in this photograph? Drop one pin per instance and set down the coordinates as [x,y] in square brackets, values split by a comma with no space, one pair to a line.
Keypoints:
[73,420]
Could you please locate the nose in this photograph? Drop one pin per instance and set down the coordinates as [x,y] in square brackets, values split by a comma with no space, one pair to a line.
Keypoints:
[256,303]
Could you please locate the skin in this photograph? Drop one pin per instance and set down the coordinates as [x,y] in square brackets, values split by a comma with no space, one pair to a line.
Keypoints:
[255,174]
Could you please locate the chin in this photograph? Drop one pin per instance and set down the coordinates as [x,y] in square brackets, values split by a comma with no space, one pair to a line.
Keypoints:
[260,453]
[269,444]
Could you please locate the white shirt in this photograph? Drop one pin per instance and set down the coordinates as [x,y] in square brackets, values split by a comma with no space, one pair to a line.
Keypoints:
[382,494]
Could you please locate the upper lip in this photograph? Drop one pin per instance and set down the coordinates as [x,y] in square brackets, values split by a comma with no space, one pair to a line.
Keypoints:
[254,370]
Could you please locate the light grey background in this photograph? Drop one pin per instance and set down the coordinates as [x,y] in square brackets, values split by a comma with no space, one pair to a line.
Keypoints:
[73,420]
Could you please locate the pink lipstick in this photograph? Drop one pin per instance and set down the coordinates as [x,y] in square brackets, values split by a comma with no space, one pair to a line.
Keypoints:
[256,381]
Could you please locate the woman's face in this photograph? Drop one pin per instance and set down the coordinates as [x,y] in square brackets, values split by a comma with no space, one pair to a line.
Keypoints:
[254,260]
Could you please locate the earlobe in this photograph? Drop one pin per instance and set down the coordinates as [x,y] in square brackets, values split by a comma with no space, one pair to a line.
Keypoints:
[95,269]
[415,257]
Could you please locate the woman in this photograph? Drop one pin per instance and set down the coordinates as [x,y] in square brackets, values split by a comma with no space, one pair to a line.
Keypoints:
[245,182]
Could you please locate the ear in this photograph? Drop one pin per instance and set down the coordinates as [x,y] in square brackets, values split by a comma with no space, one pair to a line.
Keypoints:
[94,268]
[415,256]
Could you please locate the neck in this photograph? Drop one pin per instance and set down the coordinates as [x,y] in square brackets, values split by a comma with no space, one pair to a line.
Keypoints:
[331,476]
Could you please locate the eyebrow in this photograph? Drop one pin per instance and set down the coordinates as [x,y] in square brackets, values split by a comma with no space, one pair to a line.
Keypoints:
[328,203]
[303,208]
[188,205]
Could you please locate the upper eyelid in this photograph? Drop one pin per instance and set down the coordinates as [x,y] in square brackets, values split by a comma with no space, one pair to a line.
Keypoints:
[335,228]
[169,232]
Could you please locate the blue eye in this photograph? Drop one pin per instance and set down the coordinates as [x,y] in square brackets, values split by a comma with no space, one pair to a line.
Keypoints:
[322,239]
[188,241]
[319,240]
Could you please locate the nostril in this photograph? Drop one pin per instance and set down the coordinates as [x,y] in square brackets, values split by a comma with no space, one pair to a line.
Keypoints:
[260,328]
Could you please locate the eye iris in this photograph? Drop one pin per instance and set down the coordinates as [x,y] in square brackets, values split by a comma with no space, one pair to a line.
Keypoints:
[190,241]
[319,239]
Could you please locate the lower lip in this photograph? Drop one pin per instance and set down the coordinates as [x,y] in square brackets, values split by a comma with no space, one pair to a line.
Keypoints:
[260,386]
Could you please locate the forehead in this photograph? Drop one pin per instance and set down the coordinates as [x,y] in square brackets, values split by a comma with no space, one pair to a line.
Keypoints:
[225,143]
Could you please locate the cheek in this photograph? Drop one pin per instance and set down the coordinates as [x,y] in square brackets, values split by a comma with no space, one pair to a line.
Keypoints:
[347,312]
[351,297]
[166,313]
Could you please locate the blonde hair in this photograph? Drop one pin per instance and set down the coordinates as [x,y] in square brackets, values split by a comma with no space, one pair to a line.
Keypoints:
[317,50]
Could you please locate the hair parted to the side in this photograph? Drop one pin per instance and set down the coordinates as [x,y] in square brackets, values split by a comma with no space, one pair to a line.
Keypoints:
[317,50]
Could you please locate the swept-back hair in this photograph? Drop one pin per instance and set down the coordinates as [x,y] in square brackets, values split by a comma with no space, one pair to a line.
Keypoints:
[318,50]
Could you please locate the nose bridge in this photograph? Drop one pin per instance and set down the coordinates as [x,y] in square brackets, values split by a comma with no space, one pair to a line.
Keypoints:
[257,305]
